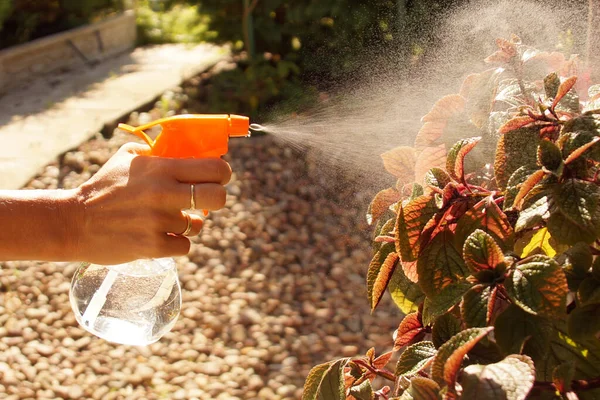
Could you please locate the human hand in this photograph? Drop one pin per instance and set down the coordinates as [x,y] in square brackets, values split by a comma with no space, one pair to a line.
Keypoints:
[132,207]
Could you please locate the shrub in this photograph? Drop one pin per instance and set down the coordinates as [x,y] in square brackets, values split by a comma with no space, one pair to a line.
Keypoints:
[489,243]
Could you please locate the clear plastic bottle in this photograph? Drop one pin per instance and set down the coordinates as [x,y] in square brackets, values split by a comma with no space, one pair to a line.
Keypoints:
[134,303]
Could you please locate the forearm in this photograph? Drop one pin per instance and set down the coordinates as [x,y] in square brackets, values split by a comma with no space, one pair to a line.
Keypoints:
[38,225]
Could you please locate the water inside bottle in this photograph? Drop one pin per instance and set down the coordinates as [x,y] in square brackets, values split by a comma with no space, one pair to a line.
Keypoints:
[134,303]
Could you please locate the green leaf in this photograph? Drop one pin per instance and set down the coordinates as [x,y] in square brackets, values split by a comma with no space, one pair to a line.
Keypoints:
[535,209]
[481,252]
[415,358]
[513,327]
[410,222]
[410,330]
[563,375]
[375,268]
[326,382]
[538,286]
[383,278]
[444,328]
[437,177]
[589,291]
[576,202]
[563,89]
[584,322]
[551,84]
[474,309]
[510,379]
[440,265]
[421,389]
[449,357]
[455,160]
[514,183]
[406,294]
[575,262]
[417,191]
[572,144]
[538,242]
[549,155]
[364,391]
[488,217]
[582,150]
[515,149]
[448,297]
[526,187]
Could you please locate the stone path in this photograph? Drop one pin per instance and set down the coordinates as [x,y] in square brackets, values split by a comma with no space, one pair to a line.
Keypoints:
[57,113]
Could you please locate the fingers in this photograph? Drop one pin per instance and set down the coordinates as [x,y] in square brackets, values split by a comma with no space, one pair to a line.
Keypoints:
[136,148]
[192,170]
[207,196]
[170,246]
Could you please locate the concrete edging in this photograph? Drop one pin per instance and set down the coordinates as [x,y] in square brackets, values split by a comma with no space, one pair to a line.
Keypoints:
[84,45]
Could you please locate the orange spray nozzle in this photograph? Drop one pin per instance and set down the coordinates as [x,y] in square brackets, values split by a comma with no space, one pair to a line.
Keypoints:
[193,135]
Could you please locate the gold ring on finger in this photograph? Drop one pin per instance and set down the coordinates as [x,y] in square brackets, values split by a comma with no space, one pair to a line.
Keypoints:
[188,229]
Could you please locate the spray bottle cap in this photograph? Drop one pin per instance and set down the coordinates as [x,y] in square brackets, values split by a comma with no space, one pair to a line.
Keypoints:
[193,135]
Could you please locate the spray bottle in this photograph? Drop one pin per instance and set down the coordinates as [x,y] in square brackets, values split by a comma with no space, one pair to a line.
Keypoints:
[136,303]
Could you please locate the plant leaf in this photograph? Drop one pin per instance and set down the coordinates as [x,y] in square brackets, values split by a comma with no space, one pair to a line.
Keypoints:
[510,379]
[448,297]
[474,309]
[364,391]
[437,177]
[381,203]
[549,155]
[563,89]
[440,265]
[326,381]
[433,156]
[400,162]
[481,251]
[410,270]
[526,187]
[515,123]
[383,278]
[421,388]
[415,358]
[538,286]
[487,216]
[589,291]
[515,182]
[449,357]
[575,262]
[405,294]
[576,213]
[584,322]
[514,327]
[551,84]
[563,375]
[444,328]
[375,268]
[455,161]
[515,149]
[409,331]
[539,242]
[410,222]
[445,108]
[536,208]
[579,151]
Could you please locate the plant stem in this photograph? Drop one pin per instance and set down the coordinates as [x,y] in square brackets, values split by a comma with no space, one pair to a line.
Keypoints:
[384,373]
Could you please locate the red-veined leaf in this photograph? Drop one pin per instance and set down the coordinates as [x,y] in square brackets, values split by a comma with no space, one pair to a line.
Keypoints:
[384,239]
[410,270]
[487,216]
[381,361]
[382,202]
[563,89]
[421,388]
[475,309]
[445,108]
[515,123]
[410,330]
[430,157]
[455,162]
[375,268]
[578,152]
[400,162]
[415,358]
[481,251]
[411,220]
[429,134]
[450,355]
[383,278]
[515,149]
[526,187]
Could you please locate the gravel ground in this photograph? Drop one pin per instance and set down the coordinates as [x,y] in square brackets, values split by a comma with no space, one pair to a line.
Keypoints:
[274,285]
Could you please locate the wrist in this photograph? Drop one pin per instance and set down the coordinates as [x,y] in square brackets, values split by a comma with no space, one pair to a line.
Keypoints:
[72,216]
